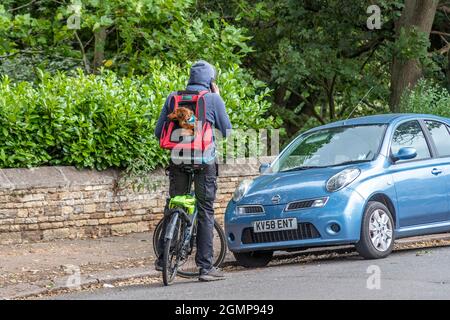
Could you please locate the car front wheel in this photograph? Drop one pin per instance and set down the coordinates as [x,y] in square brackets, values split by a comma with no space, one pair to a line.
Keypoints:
[254,259]
[377,232]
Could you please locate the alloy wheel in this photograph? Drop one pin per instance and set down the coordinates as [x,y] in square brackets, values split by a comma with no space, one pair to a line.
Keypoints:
[380,230]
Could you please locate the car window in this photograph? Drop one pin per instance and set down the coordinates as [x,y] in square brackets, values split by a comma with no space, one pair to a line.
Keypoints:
[410,134]
[332,147]
[441,137]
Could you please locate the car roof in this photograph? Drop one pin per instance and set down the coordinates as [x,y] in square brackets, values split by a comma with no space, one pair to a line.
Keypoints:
[381,119]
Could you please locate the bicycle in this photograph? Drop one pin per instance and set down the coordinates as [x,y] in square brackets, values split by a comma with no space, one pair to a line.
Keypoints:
[180,236]
[189,269]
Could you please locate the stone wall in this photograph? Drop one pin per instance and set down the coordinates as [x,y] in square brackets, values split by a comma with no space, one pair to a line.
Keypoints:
[48,203]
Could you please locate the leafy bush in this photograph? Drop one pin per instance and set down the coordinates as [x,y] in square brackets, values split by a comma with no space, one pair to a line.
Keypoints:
[106,121]
[427,97]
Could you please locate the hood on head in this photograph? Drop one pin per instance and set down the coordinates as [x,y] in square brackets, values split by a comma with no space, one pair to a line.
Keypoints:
[202,73]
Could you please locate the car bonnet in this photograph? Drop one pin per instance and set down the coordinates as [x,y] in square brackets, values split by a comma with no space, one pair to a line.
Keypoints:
[284,187]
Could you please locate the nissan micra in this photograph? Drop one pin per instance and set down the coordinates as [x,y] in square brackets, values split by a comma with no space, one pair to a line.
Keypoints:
[364,181]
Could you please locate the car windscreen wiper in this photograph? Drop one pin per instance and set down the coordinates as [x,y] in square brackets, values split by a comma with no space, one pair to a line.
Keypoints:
[302,168]
[350,162]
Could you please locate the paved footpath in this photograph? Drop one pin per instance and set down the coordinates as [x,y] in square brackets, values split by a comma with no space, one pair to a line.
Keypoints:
[36,267]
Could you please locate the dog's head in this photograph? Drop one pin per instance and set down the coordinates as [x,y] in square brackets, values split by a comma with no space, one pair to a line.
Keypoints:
[182,114]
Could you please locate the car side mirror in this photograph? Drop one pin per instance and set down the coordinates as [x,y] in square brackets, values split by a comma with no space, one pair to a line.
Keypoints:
[263,167]
[406,153]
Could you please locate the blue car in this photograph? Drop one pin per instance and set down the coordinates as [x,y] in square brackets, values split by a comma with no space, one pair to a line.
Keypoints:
[364,181]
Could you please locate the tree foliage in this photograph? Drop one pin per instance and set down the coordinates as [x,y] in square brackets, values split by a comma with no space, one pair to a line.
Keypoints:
[427,97]
[322,61]
[36,34]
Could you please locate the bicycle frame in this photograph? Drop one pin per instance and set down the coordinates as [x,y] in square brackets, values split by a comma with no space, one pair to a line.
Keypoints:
[189,220]
[180,235]
[188,232]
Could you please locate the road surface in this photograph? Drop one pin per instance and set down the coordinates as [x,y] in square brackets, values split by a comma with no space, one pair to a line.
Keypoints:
[413,274]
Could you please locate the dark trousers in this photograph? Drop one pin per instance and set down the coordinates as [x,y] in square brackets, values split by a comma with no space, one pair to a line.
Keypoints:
[205,185]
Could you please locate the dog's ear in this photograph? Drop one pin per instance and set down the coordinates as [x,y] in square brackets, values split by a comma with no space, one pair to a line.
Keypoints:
[172,116]
[180,114]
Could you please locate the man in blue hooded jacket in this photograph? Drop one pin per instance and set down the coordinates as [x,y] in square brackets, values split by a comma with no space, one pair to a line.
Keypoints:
[202,77]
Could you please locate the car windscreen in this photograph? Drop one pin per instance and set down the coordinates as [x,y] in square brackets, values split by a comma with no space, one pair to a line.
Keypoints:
[332,147]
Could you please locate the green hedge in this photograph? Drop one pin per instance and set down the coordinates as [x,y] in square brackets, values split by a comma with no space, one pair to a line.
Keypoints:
[103,121]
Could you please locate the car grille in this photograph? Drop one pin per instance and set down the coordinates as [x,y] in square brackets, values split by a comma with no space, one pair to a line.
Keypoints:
[303,231]
[299,205]
[251,209]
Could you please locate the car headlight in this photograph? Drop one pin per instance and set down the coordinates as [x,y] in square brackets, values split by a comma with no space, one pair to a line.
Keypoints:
[241,189]
[342,179]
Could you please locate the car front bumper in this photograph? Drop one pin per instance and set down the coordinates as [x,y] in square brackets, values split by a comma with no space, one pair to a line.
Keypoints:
[343,208]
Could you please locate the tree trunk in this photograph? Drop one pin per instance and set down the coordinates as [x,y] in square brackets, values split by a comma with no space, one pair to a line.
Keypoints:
[448,70]
[330,95]
[99,48]
[323,110]
[404,74]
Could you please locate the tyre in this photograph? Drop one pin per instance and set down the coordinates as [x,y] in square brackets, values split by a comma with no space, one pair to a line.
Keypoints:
[169,272]
[156,235]
[254,259]
[170,253]
[377,232]
[189,268]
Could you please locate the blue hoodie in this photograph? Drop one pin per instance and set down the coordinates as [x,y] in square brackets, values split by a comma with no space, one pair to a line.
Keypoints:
[201,76]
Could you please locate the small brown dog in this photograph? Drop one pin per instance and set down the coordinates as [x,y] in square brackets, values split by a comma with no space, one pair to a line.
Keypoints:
[185,118]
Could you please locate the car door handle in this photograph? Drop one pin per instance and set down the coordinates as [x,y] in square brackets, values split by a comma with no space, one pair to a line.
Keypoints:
[436,171]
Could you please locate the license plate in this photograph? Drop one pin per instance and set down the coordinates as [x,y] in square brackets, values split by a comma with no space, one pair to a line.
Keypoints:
[275,225]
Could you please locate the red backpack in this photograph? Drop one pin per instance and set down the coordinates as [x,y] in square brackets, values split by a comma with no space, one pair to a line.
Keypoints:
[203,134]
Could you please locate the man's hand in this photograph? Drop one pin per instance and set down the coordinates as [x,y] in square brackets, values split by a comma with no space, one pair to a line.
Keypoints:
[215,88]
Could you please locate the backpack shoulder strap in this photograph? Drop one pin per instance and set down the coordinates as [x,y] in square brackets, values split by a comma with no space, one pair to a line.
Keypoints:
[172,101]
[201,106]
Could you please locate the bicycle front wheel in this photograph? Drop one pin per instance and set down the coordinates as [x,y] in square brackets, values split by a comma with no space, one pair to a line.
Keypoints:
[171,251]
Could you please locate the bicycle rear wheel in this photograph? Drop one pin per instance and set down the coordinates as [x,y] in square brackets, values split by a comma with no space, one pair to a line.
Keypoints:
[189,267]
[156,237]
